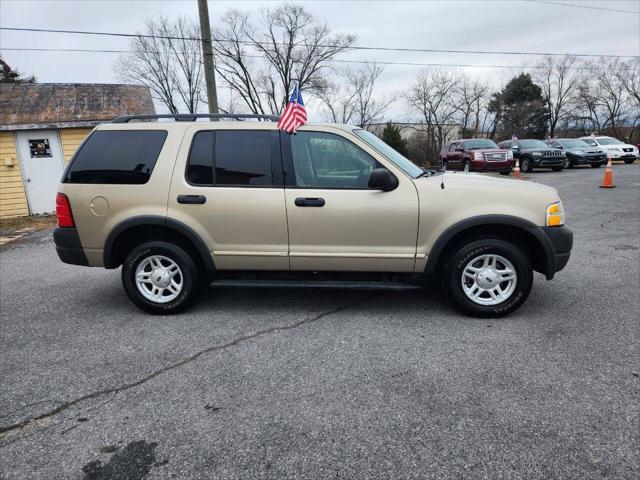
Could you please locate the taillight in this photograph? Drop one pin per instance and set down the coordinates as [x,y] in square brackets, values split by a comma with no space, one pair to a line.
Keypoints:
[63,211]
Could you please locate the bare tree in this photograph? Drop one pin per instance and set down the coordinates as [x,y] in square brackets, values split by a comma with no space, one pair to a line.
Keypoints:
[432,96]
[629,77]
[612,94]
[353,102]
[559,80]
[167,59]
[261,63]
[605,103]
[471,100]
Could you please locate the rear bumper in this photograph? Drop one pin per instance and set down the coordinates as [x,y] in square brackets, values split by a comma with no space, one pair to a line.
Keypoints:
[68,246]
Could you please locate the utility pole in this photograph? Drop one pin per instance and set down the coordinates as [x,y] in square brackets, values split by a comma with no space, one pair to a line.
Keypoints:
[207,56]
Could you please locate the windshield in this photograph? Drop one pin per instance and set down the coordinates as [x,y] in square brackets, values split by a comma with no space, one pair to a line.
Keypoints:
[532,144]
[572,143]
[479,144]
[403,163]
[609,141]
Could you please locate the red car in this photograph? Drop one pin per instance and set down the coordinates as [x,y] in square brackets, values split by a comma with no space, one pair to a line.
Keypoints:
[477,155]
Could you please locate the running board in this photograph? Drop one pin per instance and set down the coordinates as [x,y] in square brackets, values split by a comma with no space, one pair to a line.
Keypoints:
[232,283]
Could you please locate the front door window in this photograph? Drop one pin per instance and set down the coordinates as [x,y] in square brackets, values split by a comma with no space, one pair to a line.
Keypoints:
[325,160]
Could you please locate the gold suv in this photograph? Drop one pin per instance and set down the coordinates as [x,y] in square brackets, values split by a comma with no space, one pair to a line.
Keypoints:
[184,203]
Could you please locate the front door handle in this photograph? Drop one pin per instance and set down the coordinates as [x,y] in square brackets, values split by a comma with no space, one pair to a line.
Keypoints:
[309,202]
[192,199]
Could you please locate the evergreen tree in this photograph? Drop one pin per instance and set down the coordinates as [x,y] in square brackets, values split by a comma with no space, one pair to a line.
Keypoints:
[520,109]
[8,75]
[391,136]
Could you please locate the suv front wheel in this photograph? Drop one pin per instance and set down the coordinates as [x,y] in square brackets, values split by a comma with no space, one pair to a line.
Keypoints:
[161,278]
[488,278]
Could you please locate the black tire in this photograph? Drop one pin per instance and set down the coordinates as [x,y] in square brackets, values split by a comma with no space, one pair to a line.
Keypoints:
[505,173]
[596,165]
[629,161]
[567,163]
[526,166]
[464,253]
[188,272]
[557,169]
[466,166]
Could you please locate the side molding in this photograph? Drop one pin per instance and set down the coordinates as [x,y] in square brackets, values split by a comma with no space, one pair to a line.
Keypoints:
[179,227]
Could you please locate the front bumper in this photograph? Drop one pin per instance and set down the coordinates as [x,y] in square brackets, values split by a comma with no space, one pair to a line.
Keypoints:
[618,155]
[587,159]
[68,246]
[548,161]
[491,166]
[557,243]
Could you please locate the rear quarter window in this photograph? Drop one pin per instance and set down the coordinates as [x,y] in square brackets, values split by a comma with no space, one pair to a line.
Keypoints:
[117,157]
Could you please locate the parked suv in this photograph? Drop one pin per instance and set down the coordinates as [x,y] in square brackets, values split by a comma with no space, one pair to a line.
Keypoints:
[534,154]
[477,155]
[614,148]
[578,152]
[186,204]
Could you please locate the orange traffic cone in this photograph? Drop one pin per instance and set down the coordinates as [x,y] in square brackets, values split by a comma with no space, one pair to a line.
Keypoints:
[516,171]
[607,179]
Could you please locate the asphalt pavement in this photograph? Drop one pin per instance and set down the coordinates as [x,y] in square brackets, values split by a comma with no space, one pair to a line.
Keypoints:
[280,384]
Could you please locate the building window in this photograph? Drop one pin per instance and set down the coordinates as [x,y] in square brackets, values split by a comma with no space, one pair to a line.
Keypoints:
[40,148]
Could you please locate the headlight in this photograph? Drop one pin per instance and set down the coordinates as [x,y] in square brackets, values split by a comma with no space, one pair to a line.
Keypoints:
[537,154]
[478,156]
[555,215]
[509,155]
[576,152]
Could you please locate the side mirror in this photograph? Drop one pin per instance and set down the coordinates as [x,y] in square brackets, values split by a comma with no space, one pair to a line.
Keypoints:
[515,147]
[382,179]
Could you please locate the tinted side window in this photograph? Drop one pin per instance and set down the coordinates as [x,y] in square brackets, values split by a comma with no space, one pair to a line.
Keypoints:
[200,165]
[324,160]
[117,157]
[242,157]
[232,158]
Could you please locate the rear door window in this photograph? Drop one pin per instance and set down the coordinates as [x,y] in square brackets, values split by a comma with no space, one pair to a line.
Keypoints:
[116,157]
[241,158]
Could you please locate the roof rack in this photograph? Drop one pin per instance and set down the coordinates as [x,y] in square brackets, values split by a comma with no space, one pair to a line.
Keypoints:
[191,117]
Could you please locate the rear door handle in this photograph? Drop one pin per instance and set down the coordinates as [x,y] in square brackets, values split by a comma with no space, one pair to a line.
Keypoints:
[192,199]
[309,202]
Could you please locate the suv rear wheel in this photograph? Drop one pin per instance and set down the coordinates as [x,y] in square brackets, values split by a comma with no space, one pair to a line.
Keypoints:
[160,278]
[488,278]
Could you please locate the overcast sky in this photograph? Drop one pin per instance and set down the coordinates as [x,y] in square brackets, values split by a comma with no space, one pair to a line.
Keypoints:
[496,25]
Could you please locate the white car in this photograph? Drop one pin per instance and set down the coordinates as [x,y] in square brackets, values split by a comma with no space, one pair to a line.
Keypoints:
[614,148]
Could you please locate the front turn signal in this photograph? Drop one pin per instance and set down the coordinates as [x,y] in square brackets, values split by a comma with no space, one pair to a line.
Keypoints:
[555,215]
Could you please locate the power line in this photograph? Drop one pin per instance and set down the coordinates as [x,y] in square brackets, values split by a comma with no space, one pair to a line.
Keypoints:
[371,62]
[387,49]
[606,9]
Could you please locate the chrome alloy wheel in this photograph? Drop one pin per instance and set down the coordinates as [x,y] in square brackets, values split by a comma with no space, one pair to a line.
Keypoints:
[489,279]
[159,279]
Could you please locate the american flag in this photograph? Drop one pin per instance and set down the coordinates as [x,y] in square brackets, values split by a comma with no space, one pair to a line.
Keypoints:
[294,115]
